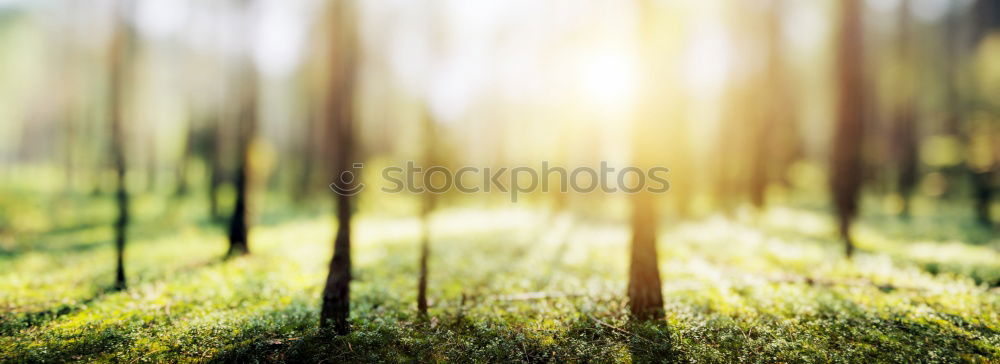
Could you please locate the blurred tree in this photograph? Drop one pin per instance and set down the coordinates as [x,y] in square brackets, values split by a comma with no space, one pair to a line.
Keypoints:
[187,154]
[645,290]
[308,151]
[340,113]
[845,175]
[427,207]
[776,145]
[644,286]
[215,138]
[904,133]
[119,63]
[247,120]
[732,142]
[246,133]
[985,173]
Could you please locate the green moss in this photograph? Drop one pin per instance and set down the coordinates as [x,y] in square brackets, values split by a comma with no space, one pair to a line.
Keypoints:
[773,288]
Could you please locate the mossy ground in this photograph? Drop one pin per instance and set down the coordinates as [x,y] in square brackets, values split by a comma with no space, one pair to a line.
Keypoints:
[507,285]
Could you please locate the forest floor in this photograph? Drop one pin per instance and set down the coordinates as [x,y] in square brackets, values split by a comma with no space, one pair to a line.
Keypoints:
[506,285]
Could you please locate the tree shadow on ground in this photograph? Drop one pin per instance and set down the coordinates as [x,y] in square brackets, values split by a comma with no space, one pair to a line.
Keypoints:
[13,322]
[454,338]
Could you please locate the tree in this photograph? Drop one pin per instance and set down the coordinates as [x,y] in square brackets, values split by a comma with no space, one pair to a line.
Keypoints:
[187,153]
[428,205]
[336,293]
[247,120]
[213,154]
[904,137]
[119,70]
[776,144]
[644,286]
[246,132]
[645,291]
[985,177]
[845,176]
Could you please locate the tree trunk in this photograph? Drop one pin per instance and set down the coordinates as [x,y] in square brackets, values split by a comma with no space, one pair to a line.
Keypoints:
[904,125]
[424,254]
[983,184]
[906,158]
[644,287]
[984,179]
[239,223]
[183,186]
[216,169]
[845,176]
[430,157]
[305,180]
[336,293]
[119,64]
[246,125]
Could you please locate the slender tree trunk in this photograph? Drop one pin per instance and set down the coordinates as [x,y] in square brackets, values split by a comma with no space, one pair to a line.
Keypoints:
[904,123]
[760,151]
[119,64]
[776,146]
[69,149]
[424,255]
[152,165]
[246,124]
[182,168]
[305,182]
[430,157]
[644,287]
[337,294]
[984,184]
[985,178]
[336,305]
[784,102]
[845,179]
[216,169]
[645,291]
[239,224]
[907,169]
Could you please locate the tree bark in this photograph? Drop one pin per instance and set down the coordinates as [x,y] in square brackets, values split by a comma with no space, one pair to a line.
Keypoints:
[904,123]
[424,256]
[119,70]
[644,288]
[429,201]
[985,180]
[239,224]
[183,185]
[845,176]
[336,293]
[217,172]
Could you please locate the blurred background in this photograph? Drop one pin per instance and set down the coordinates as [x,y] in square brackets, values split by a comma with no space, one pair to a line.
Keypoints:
[171,124]
[741,96]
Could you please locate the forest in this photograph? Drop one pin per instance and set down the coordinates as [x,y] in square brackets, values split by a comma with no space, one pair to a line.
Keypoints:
[651,181]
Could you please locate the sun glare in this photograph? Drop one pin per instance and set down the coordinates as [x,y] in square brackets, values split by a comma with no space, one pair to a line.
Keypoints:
[707,61]
[609,80]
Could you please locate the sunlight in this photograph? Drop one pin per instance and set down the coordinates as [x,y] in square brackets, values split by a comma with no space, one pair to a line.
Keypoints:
[609,80]
[707,61]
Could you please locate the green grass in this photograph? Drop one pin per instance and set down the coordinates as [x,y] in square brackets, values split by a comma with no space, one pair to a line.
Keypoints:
[508,284]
